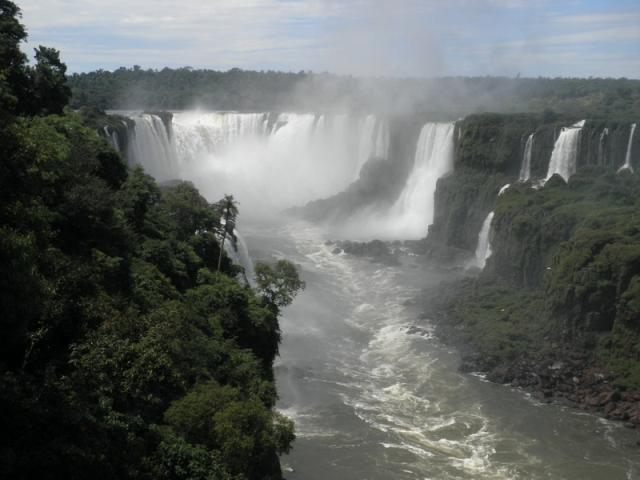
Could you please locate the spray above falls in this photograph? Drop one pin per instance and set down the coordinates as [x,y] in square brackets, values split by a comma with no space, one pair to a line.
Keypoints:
[272,162]
[269,161]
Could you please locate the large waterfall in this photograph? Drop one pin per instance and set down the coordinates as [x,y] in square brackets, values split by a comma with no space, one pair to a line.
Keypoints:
[272,162]
[525,169]
[565,152]
[412,213]
[151,146]
[268,161]
[627,158]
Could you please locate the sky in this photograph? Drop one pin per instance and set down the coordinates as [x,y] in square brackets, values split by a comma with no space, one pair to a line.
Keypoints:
[400,38]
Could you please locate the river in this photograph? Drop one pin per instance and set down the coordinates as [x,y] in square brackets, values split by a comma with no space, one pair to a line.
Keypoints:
[375,395]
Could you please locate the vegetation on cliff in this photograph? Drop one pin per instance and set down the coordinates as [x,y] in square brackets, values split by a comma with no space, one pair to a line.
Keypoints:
[124,353]
[562,282]
[489,154]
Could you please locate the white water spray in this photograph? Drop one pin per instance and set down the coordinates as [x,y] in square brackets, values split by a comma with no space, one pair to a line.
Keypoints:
[412,213]
[565,152]
[151,146]
[268,163]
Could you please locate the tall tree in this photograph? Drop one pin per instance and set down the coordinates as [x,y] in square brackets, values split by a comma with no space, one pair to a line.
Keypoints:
[50,91]
[229,210]
[13,73]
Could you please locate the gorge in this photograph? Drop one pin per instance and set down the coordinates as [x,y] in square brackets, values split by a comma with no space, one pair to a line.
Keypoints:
[370,387]
[404,244]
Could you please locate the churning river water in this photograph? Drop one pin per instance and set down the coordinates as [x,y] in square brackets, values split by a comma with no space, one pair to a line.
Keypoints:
[373,393]
[375,396]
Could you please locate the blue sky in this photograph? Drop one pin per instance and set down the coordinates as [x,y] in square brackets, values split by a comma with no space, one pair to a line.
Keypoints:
[361,37]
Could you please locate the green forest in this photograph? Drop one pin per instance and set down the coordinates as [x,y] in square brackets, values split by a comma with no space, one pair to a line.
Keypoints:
[130,346]
[236,89]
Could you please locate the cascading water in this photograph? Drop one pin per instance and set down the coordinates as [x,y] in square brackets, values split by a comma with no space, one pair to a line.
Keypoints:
[411,214]
[565,152]
[236,249]
[627,158]
[268,163]
[111,136]
[196,134]
[525,169]
[373,140]
[483,250]
[413,211]
[150,145]
[601,156]
[373,394]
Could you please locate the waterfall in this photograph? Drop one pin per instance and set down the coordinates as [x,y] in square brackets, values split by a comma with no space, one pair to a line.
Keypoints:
[627,158]
[503,189]
[601,157]
[412,213]
[373,140]
[565,152]
[197,134]
[483,249]
[269,163]
[111,136]
[245,259]
[237,251]
[525,169]
[150,145]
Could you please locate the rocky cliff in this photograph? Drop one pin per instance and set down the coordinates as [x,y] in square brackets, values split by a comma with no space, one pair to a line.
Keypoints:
[557,307]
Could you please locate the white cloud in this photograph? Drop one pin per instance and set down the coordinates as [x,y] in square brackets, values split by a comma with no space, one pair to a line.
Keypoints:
[404,37]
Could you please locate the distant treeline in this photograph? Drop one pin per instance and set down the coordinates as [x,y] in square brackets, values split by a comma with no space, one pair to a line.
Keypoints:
[183,88]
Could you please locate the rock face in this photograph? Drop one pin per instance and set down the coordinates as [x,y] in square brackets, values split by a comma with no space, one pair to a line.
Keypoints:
[557,308]
[489,154]
[380,180]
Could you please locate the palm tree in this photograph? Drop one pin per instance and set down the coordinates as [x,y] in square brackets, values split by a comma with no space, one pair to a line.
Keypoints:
[229,208]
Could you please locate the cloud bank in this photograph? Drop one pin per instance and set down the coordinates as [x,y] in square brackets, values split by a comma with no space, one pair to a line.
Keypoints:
[360,37]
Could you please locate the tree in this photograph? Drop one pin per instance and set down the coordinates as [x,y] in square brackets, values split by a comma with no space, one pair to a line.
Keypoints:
[50,91]
[229,209]
[278,284]
[13,76]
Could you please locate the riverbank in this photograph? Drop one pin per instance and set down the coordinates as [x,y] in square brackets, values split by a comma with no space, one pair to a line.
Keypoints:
[495,330]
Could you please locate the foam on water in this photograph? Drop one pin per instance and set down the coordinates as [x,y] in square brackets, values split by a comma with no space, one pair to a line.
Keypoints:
[388,382]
